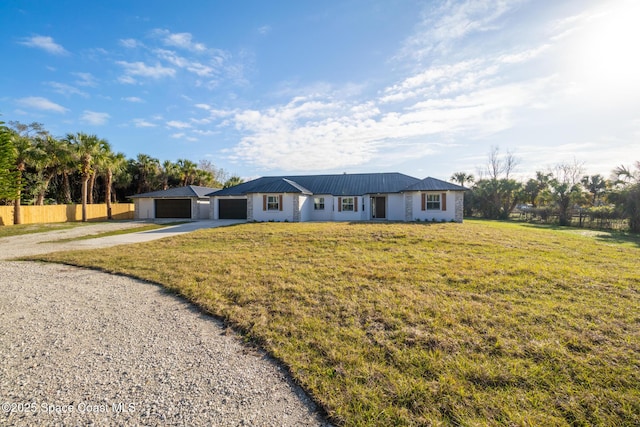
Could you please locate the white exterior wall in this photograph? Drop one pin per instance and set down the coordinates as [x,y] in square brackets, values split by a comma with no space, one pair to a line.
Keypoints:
[395,207]
[347,215]
[305,205]
[437,215]
[329,207]
[286,214]
[144,208]
[202,209]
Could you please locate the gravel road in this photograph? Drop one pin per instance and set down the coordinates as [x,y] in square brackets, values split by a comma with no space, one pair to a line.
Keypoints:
[81,347]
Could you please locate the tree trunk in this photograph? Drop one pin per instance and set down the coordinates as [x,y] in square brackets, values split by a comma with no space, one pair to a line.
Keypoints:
[92,182]
[66,187]
[17,212]
[41,193]
[85,182]
[107,196]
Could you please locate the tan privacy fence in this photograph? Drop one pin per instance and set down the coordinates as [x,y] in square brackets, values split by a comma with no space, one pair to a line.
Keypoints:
[64,213]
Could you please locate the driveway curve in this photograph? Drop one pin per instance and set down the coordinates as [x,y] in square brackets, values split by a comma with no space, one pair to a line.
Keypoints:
[82,347]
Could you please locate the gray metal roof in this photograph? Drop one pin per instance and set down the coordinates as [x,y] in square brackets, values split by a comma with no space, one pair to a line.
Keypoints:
[433,184]
[339,185]
[179,192]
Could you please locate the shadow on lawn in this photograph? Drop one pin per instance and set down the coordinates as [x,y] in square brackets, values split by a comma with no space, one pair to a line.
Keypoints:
[605,236]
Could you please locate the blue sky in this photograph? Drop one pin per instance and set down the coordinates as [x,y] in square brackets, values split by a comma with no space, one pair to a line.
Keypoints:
[293,87]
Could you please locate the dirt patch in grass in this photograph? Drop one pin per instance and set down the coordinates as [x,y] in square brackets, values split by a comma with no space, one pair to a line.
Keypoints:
[478,323]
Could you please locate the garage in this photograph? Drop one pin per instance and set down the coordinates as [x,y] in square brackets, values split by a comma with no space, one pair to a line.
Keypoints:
[232,208]
[173,208]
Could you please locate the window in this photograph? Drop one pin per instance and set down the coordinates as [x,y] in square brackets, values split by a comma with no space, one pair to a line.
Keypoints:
[433,202]
[318,203]
[273,203]
[348,204]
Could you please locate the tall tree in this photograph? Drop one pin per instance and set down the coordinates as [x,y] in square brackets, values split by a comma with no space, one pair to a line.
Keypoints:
[188,171]
[627,198]
[535,186]
[234,180]
[596,185]
[565,189]
[169,172]
[53,159]
[25,150]
[461,178]
[86,147]
[112,163]
[147,169]
[8,172]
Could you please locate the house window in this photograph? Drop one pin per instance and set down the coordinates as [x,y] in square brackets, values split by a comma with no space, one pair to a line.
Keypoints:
[433,202]
[318,203]
[347,204]
[273,203]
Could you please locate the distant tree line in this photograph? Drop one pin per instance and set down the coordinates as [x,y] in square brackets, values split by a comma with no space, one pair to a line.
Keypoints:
[562,195]
[37,168]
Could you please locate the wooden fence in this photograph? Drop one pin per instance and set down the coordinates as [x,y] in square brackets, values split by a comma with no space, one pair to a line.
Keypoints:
[65,213]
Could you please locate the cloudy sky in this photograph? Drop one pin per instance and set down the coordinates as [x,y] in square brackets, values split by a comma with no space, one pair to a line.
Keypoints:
[425,88]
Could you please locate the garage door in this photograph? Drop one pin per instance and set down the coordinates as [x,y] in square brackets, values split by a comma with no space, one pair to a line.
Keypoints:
[173,208]
[232,208]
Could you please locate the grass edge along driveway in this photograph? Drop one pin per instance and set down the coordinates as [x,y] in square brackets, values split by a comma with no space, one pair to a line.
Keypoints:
[479,323]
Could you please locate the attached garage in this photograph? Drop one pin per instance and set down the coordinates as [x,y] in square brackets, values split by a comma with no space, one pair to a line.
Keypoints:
[232,208]
[190,202]
[173,208]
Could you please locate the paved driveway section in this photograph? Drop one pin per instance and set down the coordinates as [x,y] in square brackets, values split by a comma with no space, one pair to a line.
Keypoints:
[40,243]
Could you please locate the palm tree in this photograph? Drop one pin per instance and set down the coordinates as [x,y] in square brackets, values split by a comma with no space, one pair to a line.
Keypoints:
[86,147]
[113,162]
[596,185]
[234,180]
[52,160]
[100,157]
[461,178]
[169,170]
[147,168]
[26,152]
[188,171]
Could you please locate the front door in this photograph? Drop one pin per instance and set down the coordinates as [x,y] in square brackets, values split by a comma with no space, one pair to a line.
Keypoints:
[379,207]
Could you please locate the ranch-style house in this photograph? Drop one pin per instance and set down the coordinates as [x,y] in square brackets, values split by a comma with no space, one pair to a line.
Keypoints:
[344,197]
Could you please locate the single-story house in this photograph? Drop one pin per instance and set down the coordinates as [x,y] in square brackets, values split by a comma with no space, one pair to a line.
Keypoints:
[189,202]
[345,197]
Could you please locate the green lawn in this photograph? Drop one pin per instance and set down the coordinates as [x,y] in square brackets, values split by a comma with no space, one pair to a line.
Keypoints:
[481,323]
[20,229]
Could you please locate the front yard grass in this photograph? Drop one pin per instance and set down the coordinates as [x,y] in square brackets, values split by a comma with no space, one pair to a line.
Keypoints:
[481,323]
[20,229]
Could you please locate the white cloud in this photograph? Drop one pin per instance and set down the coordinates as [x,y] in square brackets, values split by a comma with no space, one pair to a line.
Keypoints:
[95,118]
[40,103]
[67,90]
[133,99]
[46,43]
[264,30]
[130,43]
[85,79]
[142,123]
[181,40]
[449,22]
[190,65]
[143,70]
[178,124]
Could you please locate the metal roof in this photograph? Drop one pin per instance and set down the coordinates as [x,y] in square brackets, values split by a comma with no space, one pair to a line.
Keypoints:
[433,184]
[179,192]
[339,185]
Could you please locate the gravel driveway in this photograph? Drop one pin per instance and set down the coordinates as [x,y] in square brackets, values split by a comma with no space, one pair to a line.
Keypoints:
[81,347]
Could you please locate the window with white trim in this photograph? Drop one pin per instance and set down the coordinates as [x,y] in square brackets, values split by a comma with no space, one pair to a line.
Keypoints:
[318,203]
[347,204]
[273,203]
[433,202]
